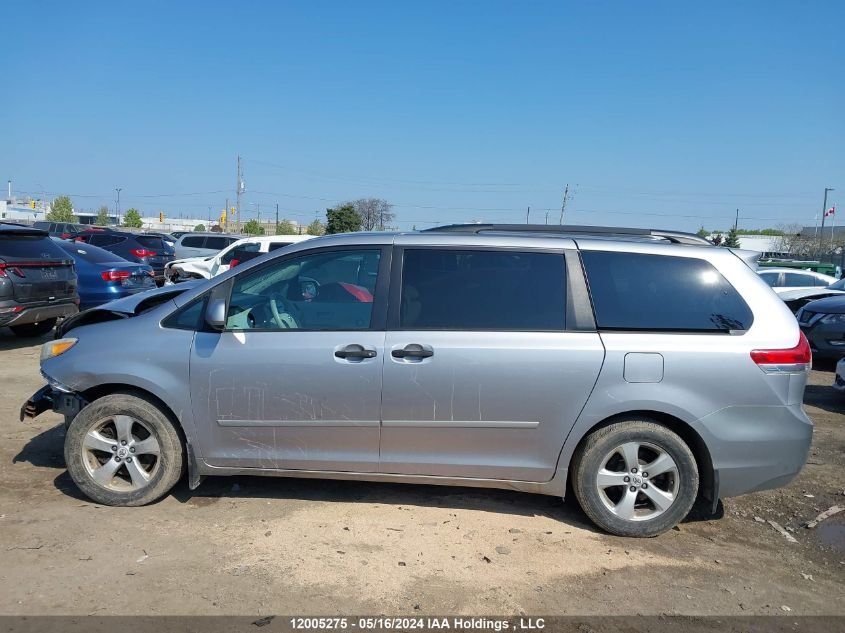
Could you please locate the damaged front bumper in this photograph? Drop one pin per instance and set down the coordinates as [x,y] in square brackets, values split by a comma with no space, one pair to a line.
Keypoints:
[50,398]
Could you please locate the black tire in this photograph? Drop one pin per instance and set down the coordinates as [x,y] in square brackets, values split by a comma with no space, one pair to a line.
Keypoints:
[39,328]
[588,461]
[167,467]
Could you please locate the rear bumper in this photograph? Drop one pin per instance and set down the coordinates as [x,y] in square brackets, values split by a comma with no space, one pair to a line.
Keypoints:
[757,448]
[36,313]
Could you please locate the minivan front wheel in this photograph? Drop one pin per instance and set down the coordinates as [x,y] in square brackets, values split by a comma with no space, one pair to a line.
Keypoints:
[635,478]
[122,450]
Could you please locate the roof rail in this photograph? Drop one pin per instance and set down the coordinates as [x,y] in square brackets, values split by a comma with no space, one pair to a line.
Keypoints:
[676,237]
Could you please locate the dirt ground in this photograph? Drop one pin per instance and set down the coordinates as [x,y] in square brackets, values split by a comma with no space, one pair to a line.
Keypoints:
[259,546]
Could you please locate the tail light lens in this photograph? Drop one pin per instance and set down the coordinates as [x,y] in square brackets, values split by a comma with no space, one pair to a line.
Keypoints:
[793,359]
[115,275]
[7,267]
[142,252]
[233,263]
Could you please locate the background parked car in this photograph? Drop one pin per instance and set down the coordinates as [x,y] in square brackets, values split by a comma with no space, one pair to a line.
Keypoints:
[104,276]
[178,234]
[64,230]
[208,267]
[823,323]
[797,298]
[134,247]
[37,281]
[783,279]
[203,244]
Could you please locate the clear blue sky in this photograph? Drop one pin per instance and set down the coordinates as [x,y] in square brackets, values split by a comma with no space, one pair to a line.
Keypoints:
[667,114]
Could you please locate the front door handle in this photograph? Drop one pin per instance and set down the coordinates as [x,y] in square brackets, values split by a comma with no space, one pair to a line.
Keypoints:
[355,351]
[412,352]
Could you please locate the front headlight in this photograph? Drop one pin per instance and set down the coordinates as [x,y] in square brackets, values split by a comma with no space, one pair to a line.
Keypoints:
[833,318]
[55,348]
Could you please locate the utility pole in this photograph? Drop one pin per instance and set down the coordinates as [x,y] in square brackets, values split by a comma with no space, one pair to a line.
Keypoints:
[277,218]
[563,204]
[567,198]
[736,221]
[226,210]
[547,216]
[527,213]
[238,192]
[824,210]
[117,204]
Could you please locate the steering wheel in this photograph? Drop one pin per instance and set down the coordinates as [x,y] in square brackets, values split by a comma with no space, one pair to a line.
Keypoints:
[283,318]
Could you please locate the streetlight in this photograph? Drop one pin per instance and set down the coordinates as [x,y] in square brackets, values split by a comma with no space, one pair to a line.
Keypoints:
[117,204]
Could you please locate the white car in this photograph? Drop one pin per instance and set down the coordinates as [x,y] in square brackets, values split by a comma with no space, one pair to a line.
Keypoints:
[213,265]
[839,381]
[787,279]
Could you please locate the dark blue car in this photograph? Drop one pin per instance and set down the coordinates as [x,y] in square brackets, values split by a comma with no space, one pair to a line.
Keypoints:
[104,276]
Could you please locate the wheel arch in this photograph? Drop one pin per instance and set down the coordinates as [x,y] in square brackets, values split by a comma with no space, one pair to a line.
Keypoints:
[708,484]
[100,391]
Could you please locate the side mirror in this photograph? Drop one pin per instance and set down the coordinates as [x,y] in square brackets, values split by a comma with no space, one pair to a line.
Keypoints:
[215,314]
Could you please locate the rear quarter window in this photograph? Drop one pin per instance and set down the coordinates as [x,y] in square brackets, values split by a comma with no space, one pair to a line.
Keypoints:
[633,291]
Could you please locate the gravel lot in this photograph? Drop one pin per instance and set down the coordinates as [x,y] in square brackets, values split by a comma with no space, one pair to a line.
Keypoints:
[255,546]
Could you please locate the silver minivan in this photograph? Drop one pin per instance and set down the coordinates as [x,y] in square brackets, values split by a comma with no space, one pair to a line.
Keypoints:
[640,370]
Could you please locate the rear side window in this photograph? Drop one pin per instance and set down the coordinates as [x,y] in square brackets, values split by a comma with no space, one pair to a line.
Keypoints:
[770,278]
[218,243]
[449,289]
[105,239]
[632,291]
[193,241]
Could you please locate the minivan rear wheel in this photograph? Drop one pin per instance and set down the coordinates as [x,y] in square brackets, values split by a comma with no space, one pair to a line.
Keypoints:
[33,329]
[635,478]
[122,450]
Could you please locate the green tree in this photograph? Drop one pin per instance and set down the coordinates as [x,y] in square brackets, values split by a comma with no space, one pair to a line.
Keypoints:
[103,216]
[61,210]
[285,227]
[702,232]
[342,219]
[316,228]
[199,227]
[732,240]
[252,227]
[133,219]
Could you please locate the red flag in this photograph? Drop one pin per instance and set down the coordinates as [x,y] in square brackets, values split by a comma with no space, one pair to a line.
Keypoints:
[830,211]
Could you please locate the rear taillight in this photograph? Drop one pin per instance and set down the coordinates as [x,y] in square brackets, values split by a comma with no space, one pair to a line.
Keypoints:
[233,263]
[8,267]
[142,252]
[115,275]
[795,358]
